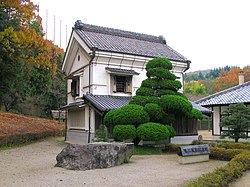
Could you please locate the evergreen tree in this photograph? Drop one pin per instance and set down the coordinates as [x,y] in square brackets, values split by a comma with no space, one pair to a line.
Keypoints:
[160,89]
[237,121]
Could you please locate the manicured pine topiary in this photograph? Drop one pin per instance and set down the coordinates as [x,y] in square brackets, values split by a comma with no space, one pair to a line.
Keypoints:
[128,114]
[161,88]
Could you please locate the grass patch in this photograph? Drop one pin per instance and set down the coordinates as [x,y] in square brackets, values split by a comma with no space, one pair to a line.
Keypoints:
[138,150]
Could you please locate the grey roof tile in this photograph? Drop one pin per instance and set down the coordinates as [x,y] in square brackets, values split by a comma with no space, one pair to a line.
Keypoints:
[123,71]
[107,102]
[200,108]
[236,94]
[119,41]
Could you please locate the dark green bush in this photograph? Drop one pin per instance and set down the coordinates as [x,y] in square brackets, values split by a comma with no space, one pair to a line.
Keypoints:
[143,100]
[159,62]
[160,73]
[143,91]
[175,104]
[124,132]
[170,84]
[152,132]
[154,111]
[128,114]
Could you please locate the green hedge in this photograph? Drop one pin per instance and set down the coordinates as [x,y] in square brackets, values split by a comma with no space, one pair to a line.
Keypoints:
[124,132]
[152,132]
[222,176]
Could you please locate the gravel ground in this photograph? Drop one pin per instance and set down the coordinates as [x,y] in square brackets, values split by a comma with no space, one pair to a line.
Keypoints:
[33,165]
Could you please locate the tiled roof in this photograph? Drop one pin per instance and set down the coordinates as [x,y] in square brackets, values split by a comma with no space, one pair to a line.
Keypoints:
[236,94]
[107,102]
[123,71]
[72,105]
[119,41]
[200,108]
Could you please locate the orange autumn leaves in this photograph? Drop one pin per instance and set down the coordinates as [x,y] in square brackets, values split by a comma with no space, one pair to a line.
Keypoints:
[27,40]
[230,78]
[13,124]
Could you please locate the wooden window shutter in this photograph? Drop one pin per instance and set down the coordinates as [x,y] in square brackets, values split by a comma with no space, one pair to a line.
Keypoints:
[129,84]
[114,83]
[73,88]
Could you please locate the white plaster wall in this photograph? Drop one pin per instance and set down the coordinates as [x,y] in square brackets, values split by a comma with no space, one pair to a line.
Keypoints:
[76,119]
[216,120]
[90,112]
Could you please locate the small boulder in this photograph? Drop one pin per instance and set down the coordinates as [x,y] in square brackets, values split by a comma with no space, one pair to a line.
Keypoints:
[94,155]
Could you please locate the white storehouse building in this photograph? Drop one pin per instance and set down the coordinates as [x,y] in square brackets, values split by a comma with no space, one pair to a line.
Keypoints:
[103,68]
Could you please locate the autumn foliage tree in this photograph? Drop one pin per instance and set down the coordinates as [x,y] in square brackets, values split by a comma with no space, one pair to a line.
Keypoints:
[28,62]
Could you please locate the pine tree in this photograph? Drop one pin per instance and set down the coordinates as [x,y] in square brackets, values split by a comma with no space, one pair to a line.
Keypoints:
[237,121]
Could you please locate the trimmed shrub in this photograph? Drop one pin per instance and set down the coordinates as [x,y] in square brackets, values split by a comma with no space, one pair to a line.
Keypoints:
[154,111]
[128,114]
[170,84]
[124,132]
[160,73]
[109,118]
[170,92]
[143,100]
[224,154]
[159,62]
[171,131]
[143,91]
[150,83]
[243,158]
[196,114]
[222,176]
[152,132]
[175,104]
[233,145]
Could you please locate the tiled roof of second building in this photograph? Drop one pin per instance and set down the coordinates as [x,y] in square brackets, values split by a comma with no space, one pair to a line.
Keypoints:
[236,94]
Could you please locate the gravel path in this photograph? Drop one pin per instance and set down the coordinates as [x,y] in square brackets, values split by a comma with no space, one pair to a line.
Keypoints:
[33,165]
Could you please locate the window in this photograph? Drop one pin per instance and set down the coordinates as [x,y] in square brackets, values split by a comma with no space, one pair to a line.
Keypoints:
[75,84]
[122,84]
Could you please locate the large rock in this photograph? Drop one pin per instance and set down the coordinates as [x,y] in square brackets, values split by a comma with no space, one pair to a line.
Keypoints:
[94,155]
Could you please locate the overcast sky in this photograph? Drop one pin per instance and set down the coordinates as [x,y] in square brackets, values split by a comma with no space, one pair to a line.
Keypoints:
[210,33]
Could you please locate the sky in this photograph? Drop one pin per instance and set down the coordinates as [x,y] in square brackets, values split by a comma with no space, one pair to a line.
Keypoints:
[209,33]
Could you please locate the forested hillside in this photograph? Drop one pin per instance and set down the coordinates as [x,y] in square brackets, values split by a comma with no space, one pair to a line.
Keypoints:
[206,82]
[31,81]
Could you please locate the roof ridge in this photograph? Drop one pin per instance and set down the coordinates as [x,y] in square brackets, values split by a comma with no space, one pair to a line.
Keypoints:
[222,92]
[118,32]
